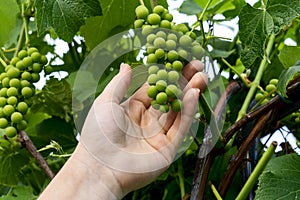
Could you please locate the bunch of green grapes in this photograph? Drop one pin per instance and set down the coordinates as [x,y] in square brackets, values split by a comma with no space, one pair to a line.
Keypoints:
[296,116]
[168,49]
[270,90]
[17,88]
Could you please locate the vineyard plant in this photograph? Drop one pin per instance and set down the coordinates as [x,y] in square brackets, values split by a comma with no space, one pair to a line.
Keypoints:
[253,90]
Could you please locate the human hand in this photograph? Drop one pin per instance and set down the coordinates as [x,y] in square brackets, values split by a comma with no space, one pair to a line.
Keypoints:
[132,140]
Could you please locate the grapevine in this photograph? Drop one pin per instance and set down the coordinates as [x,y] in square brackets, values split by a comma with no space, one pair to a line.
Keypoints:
[169,47]
[17,88]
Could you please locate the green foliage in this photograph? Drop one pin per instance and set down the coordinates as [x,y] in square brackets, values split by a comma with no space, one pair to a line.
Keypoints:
[65,17]
[286,77]
[280,179]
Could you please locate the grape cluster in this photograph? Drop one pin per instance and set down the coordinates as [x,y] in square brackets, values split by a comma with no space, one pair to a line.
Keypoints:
[168,49]
[270,90]
[16,84]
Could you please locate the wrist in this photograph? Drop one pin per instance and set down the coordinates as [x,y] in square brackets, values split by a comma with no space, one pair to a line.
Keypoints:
[83,177]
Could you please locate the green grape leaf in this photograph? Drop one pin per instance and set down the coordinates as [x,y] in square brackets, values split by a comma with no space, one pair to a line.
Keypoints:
[115,14]
[8,15]
[20,192]
[217,6]
[65,16]
[11,163]
[285,77]
[280,179]
[190,7]
[256,25]
[289,55]
[55,99]
[33,120]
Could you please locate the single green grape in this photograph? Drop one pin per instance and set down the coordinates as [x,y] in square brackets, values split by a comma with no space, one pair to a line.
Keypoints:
[8,110]
[26,76]
[37,68]
[183,54]
[162,74]
[168,17]
[43,60]
[22,107]
[173,77]
[3,92]
[11,131]
[153,69]
[36,57]
[172,36]
[150,38]
[3,122]
[164,108]
[12,100]
[22,54]
[270,88]
[274,81]
[182,28]
[14,82]
[35,77]
[152,91]
[161,85]
[161,98]
[155,105]
[154,19]
[159,43]
[258,96]
[168,66]
[3,101]
[5,82]
[171,91]
[158,9]
[161,34]
[27,92]
[20,65]
[31,50]
[27,61]
[14,60]
[185,41]
[176,105]
[152,78]
[25,83]
[12,91]
[165,24]
[13,72]
[198,51]
[139,23]
[170,45]
[141,12]
[172,56]
[22,125]
[16,117]
[147,29]
[177,65]
[151,58]
[159,53]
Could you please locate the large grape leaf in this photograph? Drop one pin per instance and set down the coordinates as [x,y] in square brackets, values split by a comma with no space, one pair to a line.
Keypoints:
[289,55]
[256,25]
[286,77]
[280,179]
[8,17]
[64,16]
[118,15]
[20,192]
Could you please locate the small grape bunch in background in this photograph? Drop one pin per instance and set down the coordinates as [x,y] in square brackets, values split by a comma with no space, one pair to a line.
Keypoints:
[263,97]
[16,89]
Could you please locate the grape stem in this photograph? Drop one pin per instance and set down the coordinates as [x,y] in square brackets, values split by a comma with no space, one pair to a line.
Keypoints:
[257,79]
[3,58]
[26,142]
[19,44]
[3,62]
[215,191]
[153,3]
[236,72]
[181,178]
[142,2]
[25,22]
[266,157]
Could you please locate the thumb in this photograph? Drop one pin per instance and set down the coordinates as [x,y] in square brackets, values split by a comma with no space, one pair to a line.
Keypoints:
[118,86]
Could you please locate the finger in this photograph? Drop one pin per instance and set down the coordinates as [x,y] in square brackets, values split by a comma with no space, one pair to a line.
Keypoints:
[183,121]
[192,68]
[199,80]
[118,86]
[141,96]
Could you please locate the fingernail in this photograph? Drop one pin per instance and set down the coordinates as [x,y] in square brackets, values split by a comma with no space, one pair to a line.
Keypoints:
[122,67]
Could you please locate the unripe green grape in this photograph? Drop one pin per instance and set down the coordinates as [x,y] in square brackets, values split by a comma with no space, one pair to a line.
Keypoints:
[152,91]
[27,61]
[5,82]
[160,53]
[141,12]
[183,54]
[161,85]
[185,41]
[138,23]
[147,29]
[179,93]
[37,68]
[274,81]
[168,66]
[36,56]
[8,67]
[270,88]
[43,60]
[265,101]
[10,131]
[198,51]
[164,108]
[192,35]
[35,77]
[162,74]
[182,28]
[161,98]
[152,78]
[177,65]
[3,92]
[154,19]
[173,77]
[2,101]
[168,17]
[150,38]
[14,60]
[31,50]
[22,107]
[151,58]
[16,117]
[155,105]
[165,24]
[153,69]
[22,54]
[161,34]
[258,96]
[159,43]
[27,92]
[26,76]
[1,112]
[150,49]
[171,91]
[176,105]
[8,110]
[48,69]
[25,83]
[158,9]
[2,76]
[15,83]
[172,36]
[297,120]
[170,45]
[12,91]
[12,100]
[20,65]
[22,125]
[13,72]
[172,56]
[3,123]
